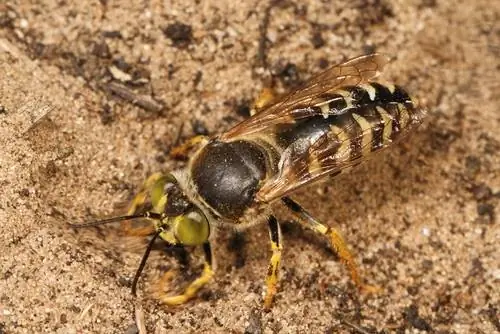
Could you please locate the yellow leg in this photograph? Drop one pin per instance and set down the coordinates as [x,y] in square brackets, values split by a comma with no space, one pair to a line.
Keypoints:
[274,263]
[142,195]
[266,96]
[182,151]
[193,287]
[138,201]
[336,241]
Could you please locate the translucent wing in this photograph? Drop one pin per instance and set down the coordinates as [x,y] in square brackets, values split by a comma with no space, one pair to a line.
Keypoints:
[298,104]
[352,138]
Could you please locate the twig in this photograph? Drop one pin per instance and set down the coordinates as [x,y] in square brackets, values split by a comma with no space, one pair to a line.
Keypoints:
[144,101]
[85,311]
[139,318]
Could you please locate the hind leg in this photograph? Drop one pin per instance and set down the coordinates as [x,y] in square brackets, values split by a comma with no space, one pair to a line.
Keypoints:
[336,242]
[274,263]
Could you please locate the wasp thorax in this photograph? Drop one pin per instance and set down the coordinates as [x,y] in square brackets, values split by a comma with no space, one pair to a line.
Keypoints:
[191,229]
[227,175]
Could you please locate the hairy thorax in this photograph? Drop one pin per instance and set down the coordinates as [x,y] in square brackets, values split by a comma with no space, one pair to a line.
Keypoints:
[227,176]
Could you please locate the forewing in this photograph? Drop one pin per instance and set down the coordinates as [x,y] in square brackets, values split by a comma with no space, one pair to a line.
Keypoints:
[328,155]
[350,140]
[298,104]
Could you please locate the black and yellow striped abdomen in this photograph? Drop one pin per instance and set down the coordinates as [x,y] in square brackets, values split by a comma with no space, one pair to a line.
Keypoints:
[345,128]
[369,117]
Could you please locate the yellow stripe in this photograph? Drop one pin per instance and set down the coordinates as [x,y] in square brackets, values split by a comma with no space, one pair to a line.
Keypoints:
[314,164]
[391,88]
[347,97]
[372,93]
[387,119]
[404,116]
[339,132]
[325,105]
[325,109]
[366,127]
[344,151]
[344,93]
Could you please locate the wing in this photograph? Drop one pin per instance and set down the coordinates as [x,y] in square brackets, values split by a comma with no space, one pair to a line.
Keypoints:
[298,104]
[352,137]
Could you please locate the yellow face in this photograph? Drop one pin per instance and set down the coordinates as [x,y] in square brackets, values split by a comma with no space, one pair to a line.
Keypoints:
[184,223]
[190,229]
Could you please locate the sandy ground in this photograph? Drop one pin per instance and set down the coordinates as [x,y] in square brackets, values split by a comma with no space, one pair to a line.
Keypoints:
[93,96]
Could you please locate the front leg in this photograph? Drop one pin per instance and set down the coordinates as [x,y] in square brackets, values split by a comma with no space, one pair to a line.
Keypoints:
[153,184]
[182,151]
[266,96]
[274,263]
[193,287]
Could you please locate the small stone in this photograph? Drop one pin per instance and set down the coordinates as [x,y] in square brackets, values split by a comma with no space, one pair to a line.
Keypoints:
[473,165]
[254,323]
[199,128]
[411,315]
[317,40]
[481,192]
[179,33]
[132,329]
[486,210]
[289,75]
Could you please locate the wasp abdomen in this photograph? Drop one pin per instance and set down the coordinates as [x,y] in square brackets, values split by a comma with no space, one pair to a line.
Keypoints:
[377,116]
[227,175]
[360,120]
[366,114]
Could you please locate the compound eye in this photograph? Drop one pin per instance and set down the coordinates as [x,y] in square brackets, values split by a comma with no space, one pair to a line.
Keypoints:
[176,202]
[192,228]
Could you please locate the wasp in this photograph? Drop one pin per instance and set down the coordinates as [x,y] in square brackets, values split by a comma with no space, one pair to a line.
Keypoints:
[334,122]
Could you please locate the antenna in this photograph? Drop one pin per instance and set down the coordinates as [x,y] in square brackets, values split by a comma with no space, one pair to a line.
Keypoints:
[143,263]
[148,214]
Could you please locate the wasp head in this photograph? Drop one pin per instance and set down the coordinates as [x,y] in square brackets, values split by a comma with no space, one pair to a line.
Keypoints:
[179,220]
[176,219]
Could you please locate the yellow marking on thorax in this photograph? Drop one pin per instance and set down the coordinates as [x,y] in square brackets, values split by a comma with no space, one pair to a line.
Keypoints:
[387,119]
[269,143]
[265,139]
[366,127]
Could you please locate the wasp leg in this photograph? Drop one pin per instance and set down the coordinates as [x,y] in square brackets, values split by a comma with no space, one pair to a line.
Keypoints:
[336,241]
[194,286]
[266,96]
[137,202]
[274,263]
[182,151]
